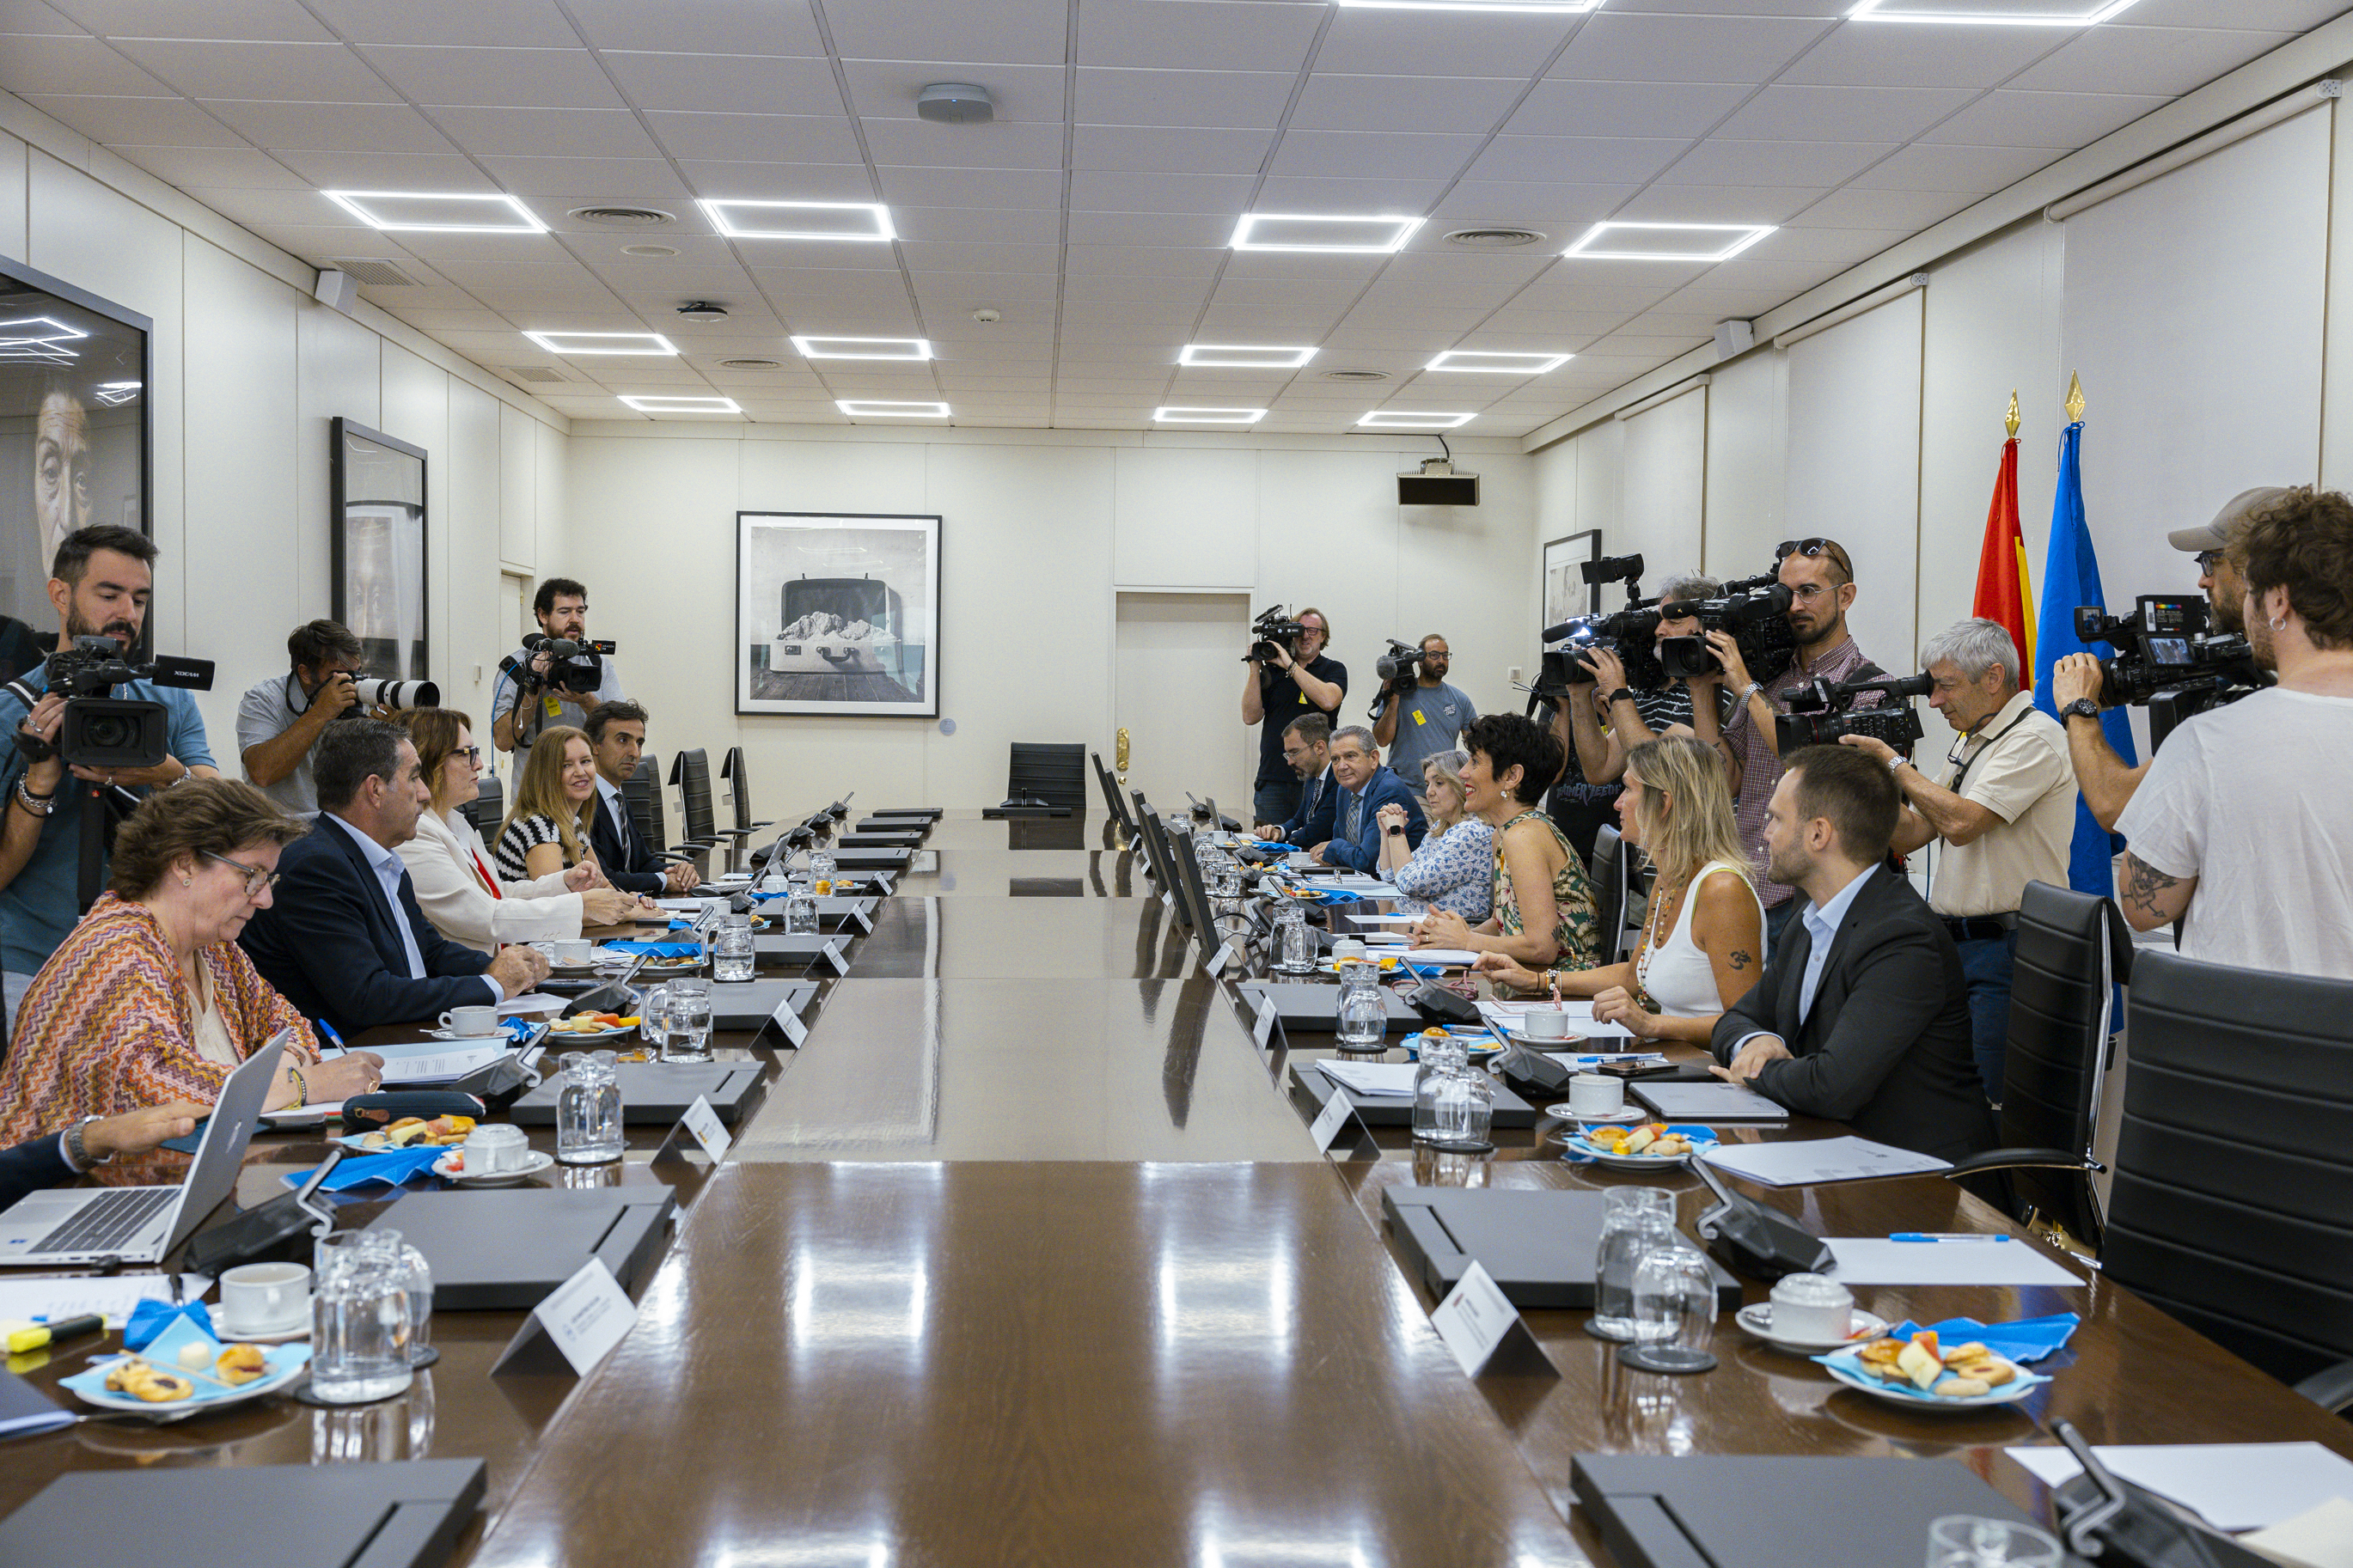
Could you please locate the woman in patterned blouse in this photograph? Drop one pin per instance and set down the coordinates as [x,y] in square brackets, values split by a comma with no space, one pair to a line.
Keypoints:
[150,998]
[1455,867]
[548,829]
[1544,917]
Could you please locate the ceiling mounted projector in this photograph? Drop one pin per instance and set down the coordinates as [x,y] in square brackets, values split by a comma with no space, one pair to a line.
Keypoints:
[955,103]
[1438,485]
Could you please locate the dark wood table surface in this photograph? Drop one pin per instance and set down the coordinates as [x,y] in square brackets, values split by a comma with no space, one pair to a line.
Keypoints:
[1026,1257]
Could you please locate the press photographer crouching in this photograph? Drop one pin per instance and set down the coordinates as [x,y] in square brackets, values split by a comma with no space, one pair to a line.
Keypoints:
[279,720]
[139,736]
[2005,811]
[1307,748]
[2238,830]
[1417,714]
[557,674]
[1289,679]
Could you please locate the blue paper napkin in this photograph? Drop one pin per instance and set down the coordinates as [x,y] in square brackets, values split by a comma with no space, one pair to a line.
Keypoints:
[391,1168]
[2029,1339]
[658,949]
[149,1318]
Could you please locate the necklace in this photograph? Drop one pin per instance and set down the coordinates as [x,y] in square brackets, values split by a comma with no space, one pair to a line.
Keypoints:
[1660,901]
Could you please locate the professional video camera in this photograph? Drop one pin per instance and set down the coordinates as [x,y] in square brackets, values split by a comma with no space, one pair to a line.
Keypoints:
[1627,633]
[1755,610]
[2167,660]
[1272,627]
[100,731]
[1402,662]
[575,667]
[1820,713]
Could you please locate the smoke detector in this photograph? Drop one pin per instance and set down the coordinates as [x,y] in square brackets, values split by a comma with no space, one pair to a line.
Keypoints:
[986,316]
[1359,376]
[610,216]
[1494,239]
[703,311]
[955,103]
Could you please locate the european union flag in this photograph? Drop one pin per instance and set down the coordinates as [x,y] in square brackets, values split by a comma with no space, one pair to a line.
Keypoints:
[2070,576]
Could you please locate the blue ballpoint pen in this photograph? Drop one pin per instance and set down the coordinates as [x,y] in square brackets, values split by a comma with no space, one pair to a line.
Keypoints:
[333,1039]
[1928,1235]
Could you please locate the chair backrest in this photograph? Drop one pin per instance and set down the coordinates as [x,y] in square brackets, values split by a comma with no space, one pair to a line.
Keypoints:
[689,772]
[489,807]
[1155,849]
[2232,1204]
[739,787]
[2071,949]
[1055,773]
[642,790]
[1111,794]
[1609,876]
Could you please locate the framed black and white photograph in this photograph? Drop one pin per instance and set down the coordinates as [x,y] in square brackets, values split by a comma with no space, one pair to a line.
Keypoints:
[376,501]
[837,613]
[1566,592]
[74,440]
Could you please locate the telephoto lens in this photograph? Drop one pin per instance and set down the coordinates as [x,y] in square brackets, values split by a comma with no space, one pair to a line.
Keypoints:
[397,694]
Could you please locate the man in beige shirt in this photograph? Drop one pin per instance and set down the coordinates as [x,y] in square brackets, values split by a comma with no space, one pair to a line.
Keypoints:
[2005,810]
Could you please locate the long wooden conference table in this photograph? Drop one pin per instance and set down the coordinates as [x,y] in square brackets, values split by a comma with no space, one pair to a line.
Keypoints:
[1027,1257]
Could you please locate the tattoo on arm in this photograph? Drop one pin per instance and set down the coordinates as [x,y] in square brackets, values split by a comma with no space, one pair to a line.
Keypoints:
[1739,960]
[2144,885]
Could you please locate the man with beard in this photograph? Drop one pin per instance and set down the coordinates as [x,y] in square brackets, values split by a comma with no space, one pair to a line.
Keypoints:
[2106,783]
[100,584]
[2238,830]
[62,476]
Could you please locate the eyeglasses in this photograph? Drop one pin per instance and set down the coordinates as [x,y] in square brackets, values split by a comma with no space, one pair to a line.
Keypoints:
[471,753]
[2207,561]
[1829,547]
[257,880]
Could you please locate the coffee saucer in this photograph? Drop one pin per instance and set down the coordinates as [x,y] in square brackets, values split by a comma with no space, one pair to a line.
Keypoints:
[227,1335]
[1756,1318]
[1565,1113]
[535,1162]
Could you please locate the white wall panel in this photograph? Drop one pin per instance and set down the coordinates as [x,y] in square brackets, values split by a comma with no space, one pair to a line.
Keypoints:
[1665,496]
[1748,440]
[342,375]
[518,490]
[12,197]
[470,523]
[1186,516]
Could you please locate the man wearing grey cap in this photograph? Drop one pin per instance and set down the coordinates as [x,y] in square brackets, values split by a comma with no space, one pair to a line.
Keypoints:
[2106,783]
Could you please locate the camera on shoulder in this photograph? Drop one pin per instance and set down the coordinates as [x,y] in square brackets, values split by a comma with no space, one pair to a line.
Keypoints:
[1754,611]
[98,730]
[1402,665]
[2168,660]
[1271,628]
[1822,711]
[575,668]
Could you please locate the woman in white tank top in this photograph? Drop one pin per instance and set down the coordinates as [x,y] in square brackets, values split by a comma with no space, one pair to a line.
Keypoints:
[1702,944]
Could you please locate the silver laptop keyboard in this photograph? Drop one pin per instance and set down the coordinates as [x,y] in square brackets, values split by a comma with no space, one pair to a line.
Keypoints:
[110,1222]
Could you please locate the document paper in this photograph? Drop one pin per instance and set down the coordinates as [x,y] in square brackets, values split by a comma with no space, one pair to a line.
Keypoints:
[1386,1080]
[2236,1486]
[1876,1260]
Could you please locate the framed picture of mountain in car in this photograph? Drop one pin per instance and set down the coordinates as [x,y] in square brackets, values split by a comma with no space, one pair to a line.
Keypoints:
[837,613]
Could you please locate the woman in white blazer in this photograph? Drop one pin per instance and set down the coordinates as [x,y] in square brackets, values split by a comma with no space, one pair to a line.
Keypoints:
[455,884]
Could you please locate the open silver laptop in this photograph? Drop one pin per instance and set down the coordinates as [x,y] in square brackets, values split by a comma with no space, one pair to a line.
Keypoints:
[140,1224]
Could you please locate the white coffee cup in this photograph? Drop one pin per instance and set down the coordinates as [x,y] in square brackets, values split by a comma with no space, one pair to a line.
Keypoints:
[1592,1094]
[573,953]
[1813,1306]
[483,1020]
[496,1146]
[265,1297]
[1347,948]
[1545,1023]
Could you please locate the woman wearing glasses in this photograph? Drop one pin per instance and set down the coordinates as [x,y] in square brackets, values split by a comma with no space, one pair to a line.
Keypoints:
[459,887]
[150,998]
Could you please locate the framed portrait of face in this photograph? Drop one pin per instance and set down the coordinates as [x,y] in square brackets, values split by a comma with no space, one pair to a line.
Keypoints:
[376,503]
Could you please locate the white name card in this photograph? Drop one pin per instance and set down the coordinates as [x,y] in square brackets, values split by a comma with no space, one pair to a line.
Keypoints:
[1473,1320]
[1329,1120]
[785,1018]
[584,1318]
[709,1132]
[1219,959]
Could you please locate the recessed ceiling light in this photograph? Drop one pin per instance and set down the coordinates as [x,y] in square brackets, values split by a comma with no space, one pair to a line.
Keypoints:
[1244,356]
[114,394]
[2014,14]
[429,212]
[651,404]
[1207,415]
[1537,6]
[649,250]
[864,348]
[1492,362]
[1667,241]
[867,221]
[1407,419]
[1379,236]
[886,408]
[573,344]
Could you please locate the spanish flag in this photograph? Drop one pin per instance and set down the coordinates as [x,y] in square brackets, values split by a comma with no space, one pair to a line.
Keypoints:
[2005,593]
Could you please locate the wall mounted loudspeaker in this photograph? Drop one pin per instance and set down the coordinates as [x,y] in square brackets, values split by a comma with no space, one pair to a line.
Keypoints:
[1733,338]
[1437,484]
[336,289]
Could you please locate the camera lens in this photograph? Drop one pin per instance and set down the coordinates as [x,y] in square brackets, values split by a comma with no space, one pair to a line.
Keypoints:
[108,732]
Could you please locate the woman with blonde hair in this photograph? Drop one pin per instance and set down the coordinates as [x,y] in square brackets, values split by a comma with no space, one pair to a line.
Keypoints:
[547,829]
[1455,867]
[1703,941]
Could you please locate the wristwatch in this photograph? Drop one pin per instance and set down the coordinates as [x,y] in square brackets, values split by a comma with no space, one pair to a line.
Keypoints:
[1898,763]
[1623,694]
[1395,832]
[2082,708]
[78,1156]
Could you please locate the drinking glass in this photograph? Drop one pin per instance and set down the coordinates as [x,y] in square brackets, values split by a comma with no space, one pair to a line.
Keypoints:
[800,910]
[1294,943]
[734,952]
[1964,1540]
[360,1319]
[1674,1311]
[1363,1016]
[588,1110]
[653,1020]
[689,1022]
[820,864]
[1453,1102]
[1634,1221]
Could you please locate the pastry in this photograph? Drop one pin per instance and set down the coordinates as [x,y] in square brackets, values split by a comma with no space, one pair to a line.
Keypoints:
[241,1363]
[145,1381]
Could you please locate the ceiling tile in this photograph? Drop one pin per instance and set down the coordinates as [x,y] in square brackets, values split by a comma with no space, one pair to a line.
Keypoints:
[2285,15]
[1109,97]
[1615,46]
[1457,271]
[1573,160]
[756,138]
[1300,265]
[536,78]
[977,226]
[930,259]
[80,66]
[610,180]
[1179,35]
[727,83]
[545,254]
[887,89]
[969,291]
[1294,193]
[1120,293]
[1909,211]
[315,243]
[390,171]
[946,147]
[1474,105]
[2042,119]
[2168,60]
[1145,261]
[1979,169]
[720,179]
[928,187]
[1718,204]
[1223,196]
[1842,113]
[1172,150]
[1375,154]
[137,121]
[1519,202]
[1201,229]
[535,132]
[715,27]
[279,19]
[1016,32]
[1374,42]
[229,168]
[333,127]
[1718,161]
[249,206]
[514,23]
[306,73]
[1956,57]
[1677,108]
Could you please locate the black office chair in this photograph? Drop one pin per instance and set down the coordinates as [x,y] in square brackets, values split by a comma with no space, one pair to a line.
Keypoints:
[1055,773]
[2233,1206]
[488,809]
[1164,864]
[642,790]
[1607,873]
[2073,952]
[739,791]
[690,774]
[1192,891]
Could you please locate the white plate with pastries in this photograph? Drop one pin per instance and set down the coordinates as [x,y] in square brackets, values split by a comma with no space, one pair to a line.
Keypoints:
[1953,1373]
[1674,1143]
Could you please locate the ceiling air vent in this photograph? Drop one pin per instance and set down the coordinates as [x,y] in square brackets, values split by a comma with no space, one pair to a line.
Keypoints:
[1355,375]
[624,217]
[751,364]
[1494,239]
[377,274]
[534,372]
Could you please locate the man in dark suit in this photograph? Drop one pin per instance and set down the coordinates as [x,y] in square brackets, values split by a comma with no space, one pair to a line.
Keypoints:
[56,1158]
[1863,1016]
[344,940]
[616,731]
[1307,746]
[1366,786]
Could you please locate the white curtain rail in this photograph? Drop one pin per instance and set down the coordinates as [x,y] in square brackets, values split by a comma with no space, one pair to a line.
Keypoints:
[2248,124]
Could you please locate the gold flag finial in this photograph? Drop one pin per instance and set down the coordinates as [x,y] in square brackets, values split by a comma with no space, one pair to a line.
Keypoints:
[2010,421]
[2074,398]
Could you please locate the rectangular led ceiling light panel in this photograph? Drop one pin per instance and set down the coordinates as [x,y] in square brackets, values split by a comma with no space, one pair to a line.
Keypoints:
[885,408]
[1407,419]
[864,348]
[650,403]
[1490,362]
[114,394]
[1667,241]
[1380,236]
[1537,6]
[1992,13]
[1207,415]
[427,212]
[573,344]
[860,221]
[1243,356]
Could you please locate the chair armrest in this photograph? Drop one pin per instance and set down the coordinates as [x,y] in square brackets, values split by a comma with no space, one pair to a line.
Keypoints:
[2331,1388]
[2023,1158]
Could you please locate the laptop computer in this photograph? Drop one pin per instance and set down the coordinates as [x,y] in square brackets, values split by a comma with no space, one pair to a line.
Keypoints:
[140,1224]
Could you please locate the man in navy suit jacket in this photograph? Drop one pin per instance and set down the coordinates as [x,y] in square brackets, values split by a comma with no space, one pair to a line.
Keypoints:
[49,1160]
[1307,746]
[344,940]
[1366,786]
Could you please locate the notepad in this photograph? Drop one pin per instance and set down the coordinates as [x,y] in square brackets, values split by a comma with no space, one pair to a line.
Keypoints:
[1388,1080]
[2236,1486]
[1876,1260]
[112,1297]
[1816,1159]
[1708,1102]
[443,1064]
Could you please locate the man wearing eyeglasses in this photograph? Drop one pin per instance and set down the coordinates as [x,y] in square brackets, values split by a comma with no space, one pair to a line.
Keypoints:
[279,720]
[2106,783]
[1635,715]
[2004,808]
[1819,576]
